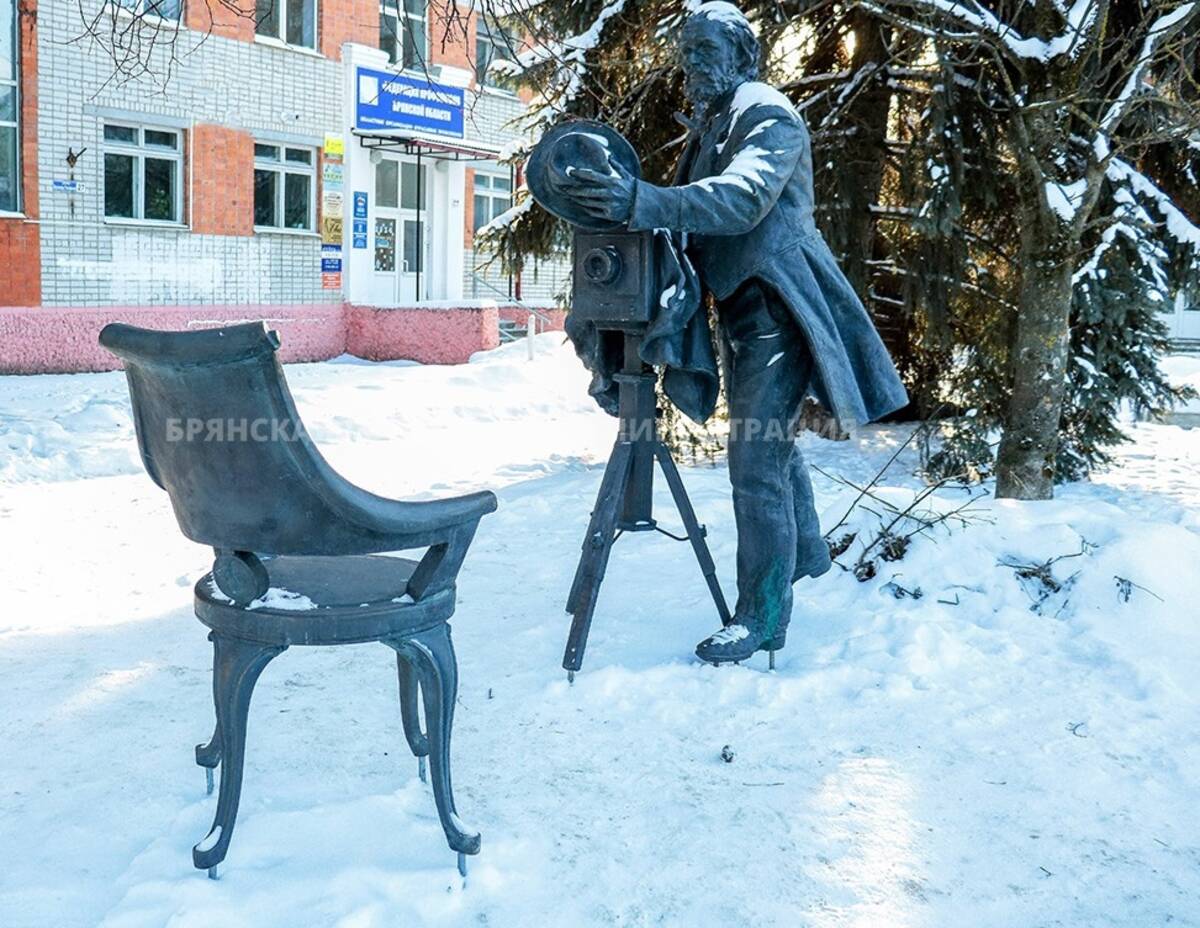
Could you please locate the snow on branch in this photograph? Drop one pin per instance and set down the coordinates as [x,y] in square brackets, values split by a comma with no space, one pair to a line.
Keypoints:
[1107,238]
[1163,27]
[506,218]
[852,86]
[1065,199]
[1079,18]
[972,16]
[569,59]
[571,50]
[1179,227]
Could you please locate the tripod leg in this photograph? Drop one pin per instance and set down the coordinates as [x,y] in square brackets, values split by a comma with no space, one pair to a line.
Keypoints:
[694,532]
[594,560]
[593,527]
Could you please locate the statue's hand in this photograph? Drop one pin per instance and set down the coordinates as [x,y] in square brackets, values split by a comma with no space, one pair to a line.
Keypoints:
[605,196]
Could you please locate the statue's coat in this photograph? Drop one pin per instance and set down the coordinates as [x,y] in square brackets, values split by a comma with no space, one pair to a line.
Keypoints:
[744,199]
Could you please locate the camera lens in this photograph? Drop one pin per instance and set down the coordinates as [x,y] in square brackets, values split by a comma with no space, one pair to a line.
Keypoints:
[602,265]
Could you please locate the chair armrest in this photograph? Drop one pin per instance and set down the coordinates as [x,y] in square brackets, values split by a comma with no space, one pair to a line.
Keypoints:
[435,515]
[438,569]
[394,525]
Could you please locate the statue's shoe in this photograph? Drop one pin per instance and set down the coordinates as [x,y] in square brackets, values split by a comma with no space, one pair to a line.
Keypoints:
[738,642]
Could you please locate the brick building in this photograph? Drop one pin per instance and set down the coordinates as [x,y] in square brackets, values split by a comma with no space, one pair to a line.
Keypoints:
[322,164]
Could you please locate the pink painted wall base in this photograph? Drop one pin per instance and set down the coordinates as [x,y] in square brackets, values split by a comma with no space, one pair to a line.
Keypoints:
[431,336]
[46,340]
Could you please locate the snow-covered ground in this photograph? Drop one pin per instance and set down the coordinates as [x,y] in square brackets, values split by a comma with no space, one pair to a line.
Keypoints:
[955,760]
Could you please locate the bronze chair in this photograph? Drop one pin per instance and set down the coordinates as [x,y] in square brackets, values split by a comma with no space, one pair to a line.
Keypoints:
[297,546]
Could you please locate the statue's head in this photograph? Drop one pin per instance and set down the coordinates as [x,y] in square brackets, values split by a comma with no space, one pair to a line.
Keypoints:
[718,51]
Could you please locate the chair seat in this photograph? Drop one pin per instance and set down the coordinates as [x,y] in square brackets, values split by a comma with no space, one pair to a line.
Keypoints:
[326,601]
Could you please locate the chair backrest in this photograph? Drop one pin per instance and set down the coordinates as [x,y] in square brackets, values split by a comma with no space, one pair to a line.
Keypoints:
[218,430]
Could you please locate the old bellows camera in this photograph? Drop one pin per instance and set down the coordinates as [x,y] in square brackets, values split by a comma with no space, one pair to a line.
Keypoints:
[614,278]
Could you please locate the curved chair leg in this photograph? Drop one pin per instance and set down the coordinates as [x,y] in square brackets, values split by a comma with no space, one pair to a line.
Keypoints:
[431,656]
[209,755]
[410,694]
[236,667]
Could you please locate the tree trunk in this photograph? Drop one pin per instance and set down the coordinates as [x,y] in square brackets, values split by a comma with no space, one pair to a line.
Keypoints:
[1041,342]
[864,151]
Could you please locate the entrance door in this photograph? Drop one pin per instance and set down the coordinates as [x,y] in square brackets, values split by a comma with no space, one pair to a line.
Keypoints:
[401,239]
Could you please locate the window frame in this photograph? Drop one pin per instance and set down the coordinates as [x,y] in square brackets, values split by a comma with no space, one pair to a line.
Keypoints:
[139,151]
[491,194]
[15,122]
[503,47]
[281,37]
[419,185]
[398,12]
[139,9]
[283,167]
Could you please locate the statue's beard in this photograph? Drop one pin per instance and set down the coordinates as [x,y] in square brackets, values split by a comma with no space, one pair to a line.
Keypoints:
[701,92]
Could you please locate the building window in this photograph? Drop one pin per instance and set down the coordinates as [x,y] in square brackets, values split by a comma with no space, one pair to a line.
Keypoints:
[142,173]
[284,187]
[399,184]
[402,32]
[169,10]
[493,195]
[10,108]
[491,44]
[291,21]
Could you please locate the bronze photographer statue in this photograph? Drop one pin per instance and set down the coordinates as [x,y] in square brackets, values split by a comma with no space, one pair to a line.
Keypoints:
[741,211]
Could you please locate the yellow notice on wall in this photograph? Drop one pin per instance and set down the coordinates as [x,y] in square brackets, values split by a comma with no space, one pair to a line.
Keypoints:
[331,230]
[335,145]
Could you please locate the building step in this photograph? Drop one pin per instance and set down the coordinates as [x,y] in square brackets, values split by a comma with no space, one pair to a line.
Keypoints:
[512,331]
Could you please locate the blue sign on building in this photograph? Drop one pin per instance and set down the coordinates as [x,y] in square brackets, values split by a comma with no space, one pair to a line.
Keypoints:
[393,101]
[360,205]
[331,259]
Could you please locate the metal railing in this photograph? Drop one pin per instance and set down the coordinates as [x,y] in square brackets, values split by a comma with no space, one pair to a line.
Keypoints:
[511,331]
